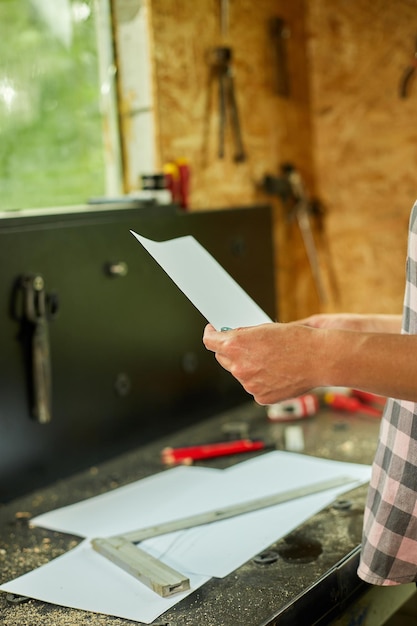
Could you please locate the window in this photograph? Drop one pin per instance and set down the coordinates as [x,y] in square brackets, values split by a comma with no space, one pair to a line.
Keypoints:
[58,117]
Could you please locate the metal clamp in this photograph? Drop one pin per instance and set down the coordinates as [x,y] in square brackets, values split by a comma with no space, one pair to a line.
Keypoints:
[33,308]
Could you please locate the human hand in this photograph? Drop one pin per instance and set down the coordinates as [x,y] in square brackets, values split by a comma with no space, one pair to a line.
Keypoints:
[272,362]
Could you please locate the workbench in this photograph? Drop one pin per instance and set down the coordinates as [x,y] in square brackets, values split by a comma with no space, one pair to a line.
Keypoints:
[307,577]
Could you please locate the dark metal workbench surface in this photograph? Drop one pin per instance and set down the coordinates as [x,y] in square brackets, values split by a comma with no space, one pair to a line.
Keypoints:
[315,566]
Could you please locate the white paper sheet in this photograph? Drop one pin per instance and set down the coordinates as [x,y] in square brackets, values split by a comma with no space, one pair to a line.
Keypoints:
[170,494]
[82,578]
[206,284]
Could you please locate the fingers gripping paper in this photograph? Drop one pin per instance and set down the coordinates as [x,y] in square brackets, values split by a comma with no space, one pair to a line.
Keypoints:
[206,284]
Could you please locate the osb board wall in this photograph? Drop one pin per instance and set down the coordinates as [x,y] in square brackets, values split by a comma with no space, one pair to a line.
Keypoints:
[344,126]
[364,142]
[274,128]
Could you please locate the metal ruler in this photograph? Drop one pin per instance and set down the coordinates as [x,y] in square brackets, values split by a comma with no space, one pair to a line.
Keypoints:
[161,578]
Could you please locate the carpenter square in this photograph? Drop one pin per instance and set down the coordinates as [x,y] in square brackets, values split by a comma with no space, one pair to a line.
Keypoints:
[160,577]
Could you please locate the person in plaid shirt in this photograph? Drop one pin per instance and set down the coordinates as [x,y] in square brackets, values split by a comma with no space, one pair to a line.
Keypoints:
[374,353]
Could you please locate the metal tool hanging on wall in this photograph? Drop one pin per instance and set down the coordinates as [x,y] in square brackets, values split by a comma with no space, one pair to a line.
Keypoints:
[220,60]
[221,67]
[408,74]
[33,308]
[279,34]
[290,189]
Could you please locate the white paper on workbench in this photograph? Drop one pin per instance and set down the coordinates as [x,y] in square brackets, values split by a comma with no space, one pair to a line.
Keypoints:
[205,282]
[82,578]
[167,495]
[218,549]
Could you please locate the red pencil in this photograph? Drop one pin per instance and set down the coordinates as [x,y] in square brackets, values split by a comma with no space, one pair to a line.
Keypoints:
[186,455]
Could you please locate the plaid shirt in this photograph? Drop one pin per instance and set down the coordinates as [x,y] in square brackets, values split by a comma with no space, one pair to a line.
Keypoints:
[389,543]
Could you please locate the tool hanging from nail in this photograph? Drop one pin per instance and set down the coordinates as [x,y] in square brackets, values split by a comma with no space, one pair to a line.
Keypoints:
[279,34]
[220,60]
[301,211]
[224,18]
[408,74]
[290,189]
[33,308]
[318,213]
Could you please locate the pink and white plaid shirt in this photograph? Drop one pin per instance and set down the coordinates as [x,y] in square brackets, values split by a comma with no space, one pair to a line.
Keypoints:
[389,542]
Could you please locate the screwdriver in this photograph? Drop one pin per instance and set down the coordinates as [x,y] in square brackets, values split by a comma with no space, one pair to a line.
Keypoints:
[367,397]
[353,405]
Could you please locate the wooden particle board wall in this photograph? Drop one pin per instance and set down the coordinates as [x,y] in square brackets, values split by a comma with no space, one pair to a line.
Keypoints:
[365,141]
[343,125]
[274,128]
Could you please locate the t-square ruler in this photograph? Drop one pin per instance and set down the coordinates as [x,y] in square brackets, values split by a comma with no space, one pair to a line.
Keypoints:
[161,578]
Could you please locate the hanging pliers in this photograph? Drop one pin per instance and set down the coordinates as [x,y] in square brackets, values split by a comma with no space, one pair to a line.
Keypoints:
[221,62]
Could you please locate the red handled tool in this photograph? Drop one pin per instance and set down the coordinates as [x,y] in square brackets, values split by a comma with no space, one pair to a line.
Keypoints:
[368,398]
[175,456]
[350,404]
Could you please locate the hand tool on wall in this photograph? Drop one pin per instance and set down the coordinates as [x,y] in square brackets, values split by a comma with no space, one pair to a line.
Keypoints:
[279,34]
[30,306]
[301,211]
[224,18]
[318,213]
[408,74]
[290,189]
[220,60]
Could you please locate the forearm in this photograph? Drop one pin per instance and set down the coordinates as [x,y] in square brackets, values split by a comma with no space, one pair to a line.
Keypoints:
[367,323]
[381,363]
[383,323]
[278,361]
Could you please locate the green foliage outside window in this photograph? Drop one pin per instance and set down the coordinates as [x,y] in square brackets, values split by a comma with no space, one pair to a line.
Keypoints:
[51,127]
